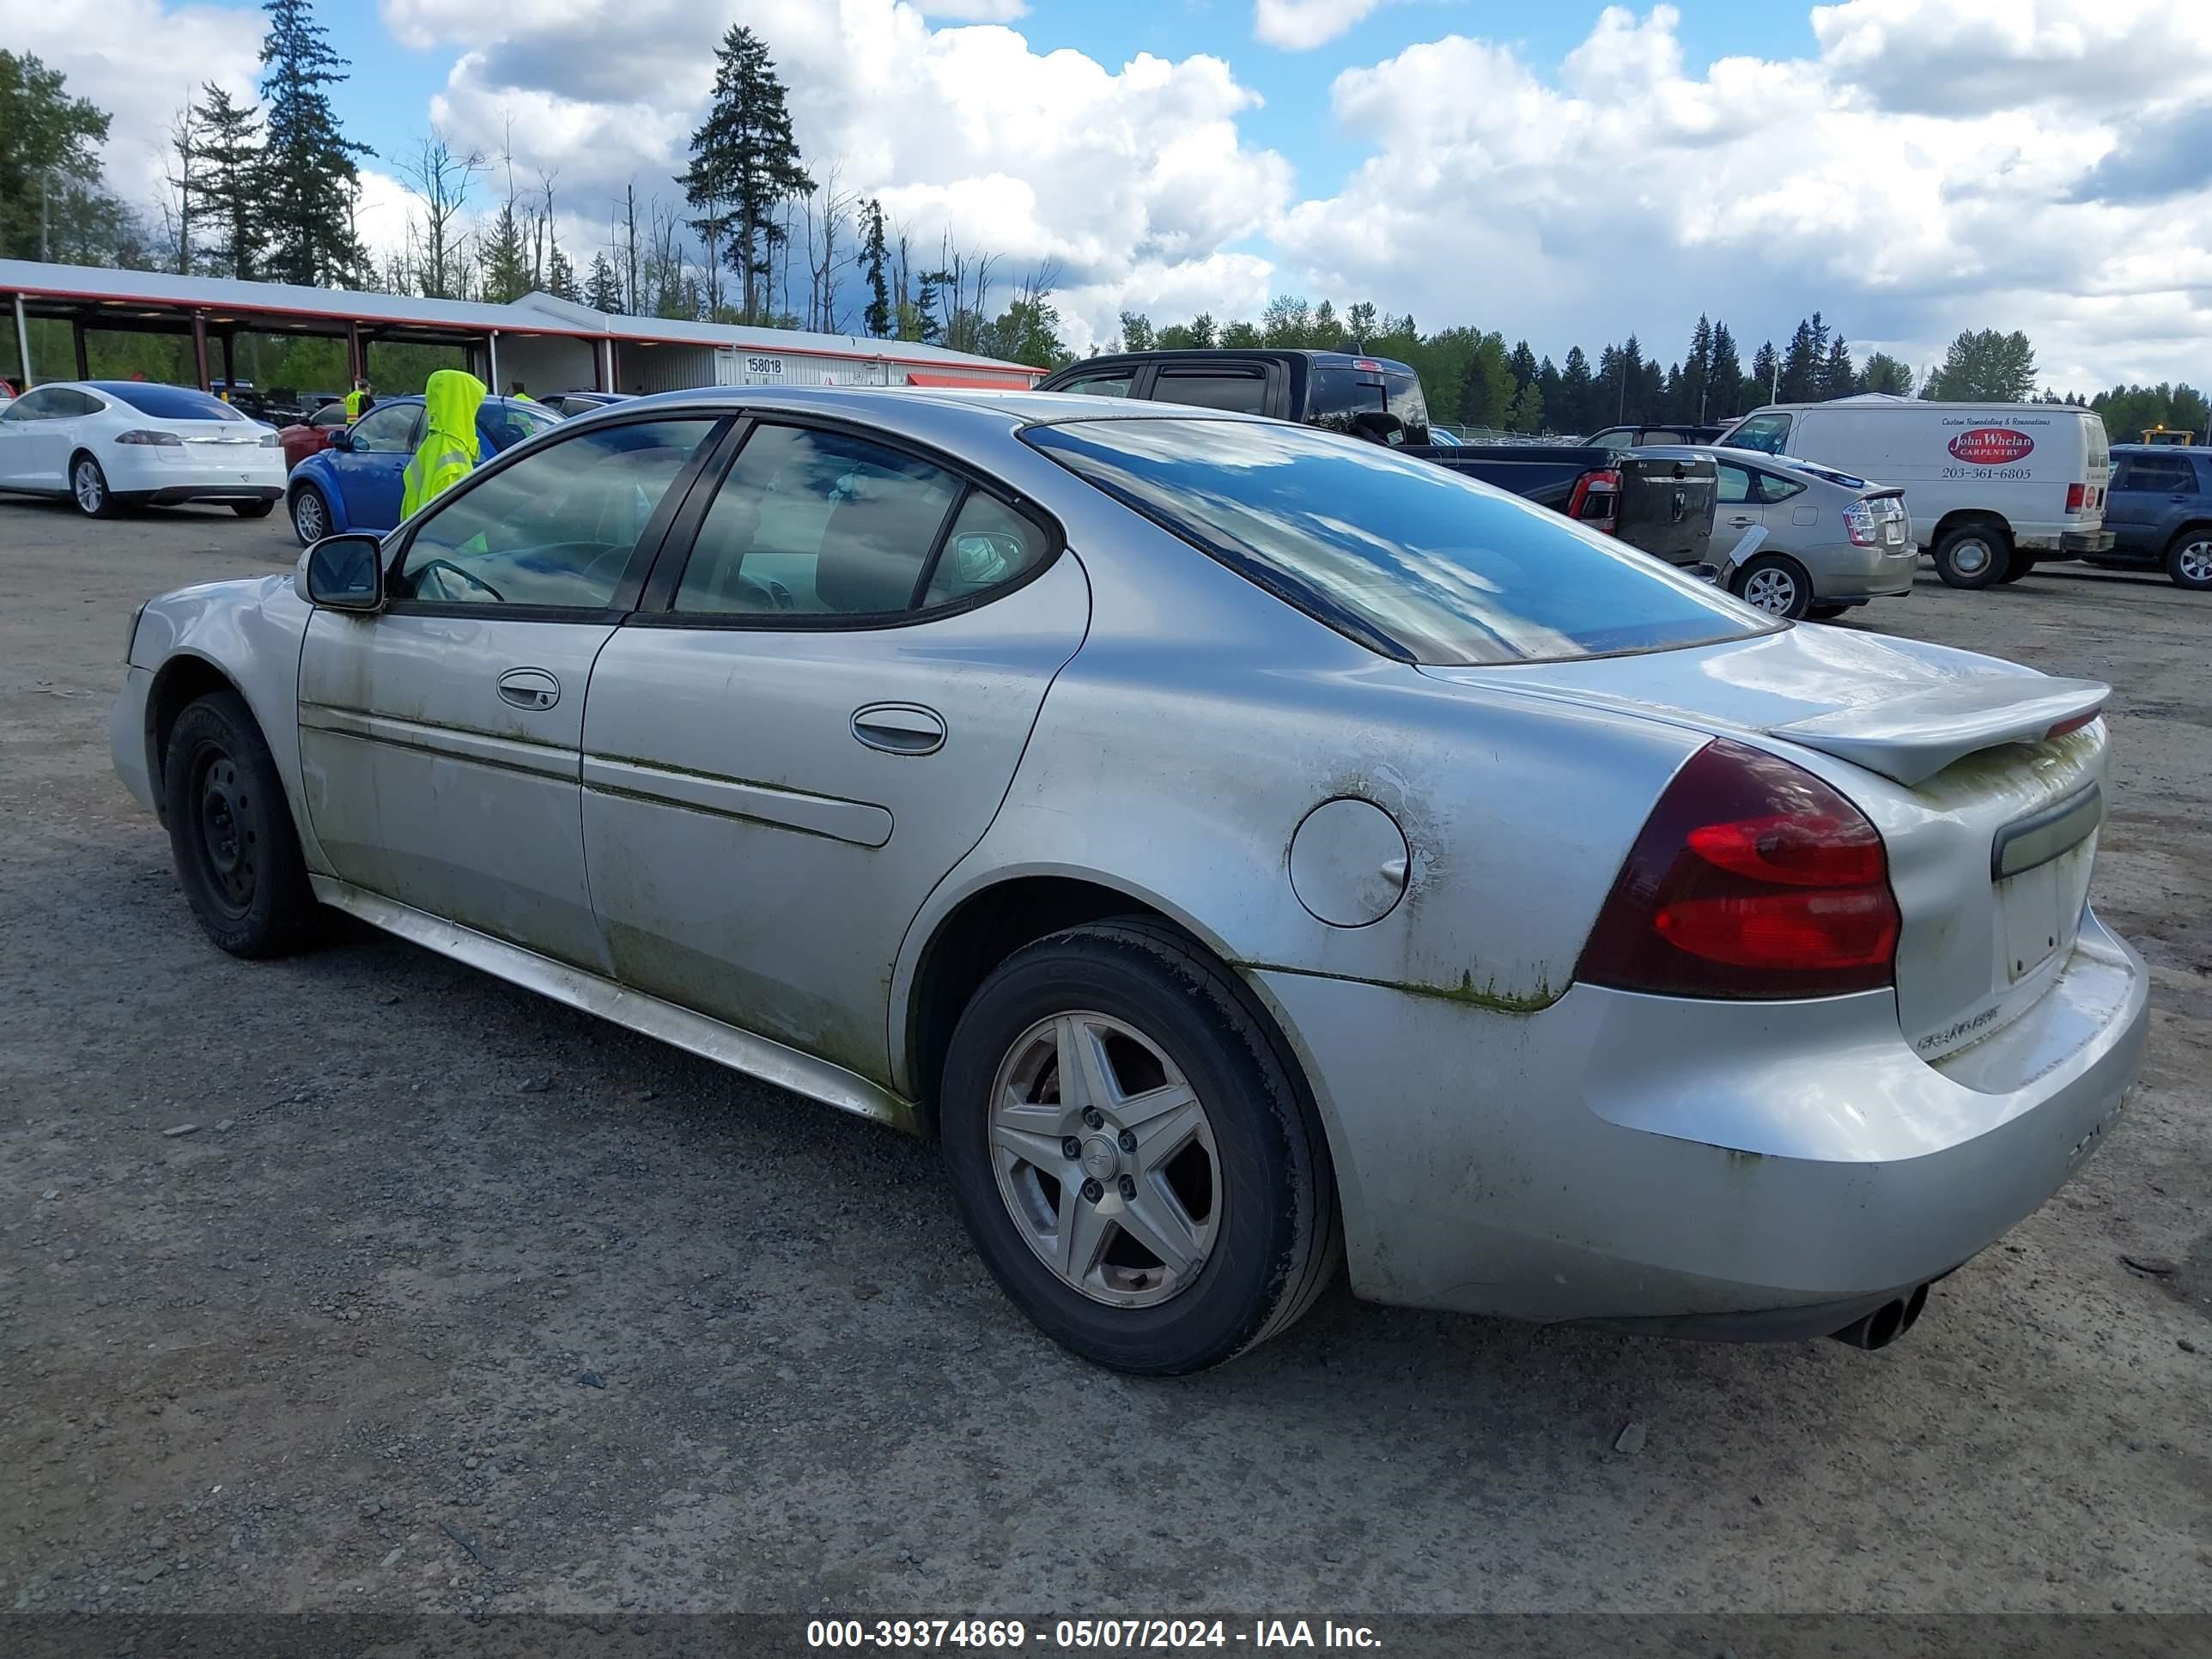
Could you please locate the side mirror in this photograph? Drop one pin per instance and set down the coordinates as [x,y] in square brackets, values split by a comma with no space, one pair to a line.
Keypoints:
[342,440]
[342,572]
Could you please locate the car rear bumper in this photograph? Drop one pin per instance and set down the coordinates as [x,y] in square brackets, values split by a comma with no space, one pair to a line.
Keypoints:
[167,476]
[178,495]
[1699,1169]
[1866,572]
[2075,543]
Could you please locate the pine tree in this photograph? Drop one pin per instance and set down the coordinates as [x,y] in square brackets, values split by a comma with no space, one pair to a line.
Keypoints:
[560,277]
[1136,331]
[1801,365]
[1839,378]
[1693,387]
[1528,412]
[229,180]
[1575,405]
[745,162]
[602,289]
[1764,364]
[1547,388]
[874,255]
[312,181]
[1724,399]
[1523,363]
[501,260]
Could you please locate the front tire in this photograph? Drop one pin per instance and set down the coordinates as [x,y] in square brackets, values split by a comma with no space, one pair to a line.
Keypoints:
[311,516]
[2189,559]
[88,487]
[253,509]
[1972,556]
[1776,585]
[1131,1151]
[231,833]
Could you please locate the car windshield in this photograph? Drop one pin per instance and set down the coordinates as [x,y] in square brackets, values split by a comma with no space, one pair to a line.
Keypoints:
[1407,557]
[169,403]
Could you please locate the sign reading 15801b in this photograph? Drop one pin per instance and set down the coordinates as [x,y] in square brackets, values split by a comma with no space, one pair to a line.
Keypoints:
[770,366]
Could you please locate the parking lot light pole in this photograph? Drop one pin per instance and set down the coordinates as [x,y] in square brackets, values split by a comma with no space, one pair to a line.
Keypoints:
[491,353]
[23,344]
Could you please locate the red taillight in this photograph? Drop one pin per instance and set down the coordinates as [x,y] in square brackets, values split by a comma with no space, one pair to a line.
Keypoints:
[1752,879]
[1596,499]
[2077,497]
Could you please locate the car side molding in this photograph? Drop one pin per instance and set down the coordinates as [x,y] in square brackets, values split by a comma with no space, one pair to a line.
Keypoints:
[710,1039]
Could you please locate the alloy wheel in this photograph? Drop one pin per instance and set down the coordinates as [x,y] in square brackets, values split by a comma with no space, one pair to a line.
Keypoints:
[1772,589]
[2196,562]
[308,517]
[87,485]
[1105,1159]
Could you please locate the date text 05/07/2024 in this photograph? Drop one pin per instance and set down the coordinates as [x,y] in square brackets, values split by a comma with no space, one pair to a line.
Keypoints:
[1082,1635]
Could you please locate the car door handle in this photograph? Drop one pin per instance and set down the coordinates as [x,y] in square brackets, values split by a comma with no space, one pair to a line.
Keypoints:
[1743,524]
[529,688]
[899,728]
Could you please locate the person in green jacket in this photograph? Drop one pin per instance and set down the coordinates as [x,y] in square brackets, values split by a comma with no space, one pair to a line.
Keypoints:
[449,449]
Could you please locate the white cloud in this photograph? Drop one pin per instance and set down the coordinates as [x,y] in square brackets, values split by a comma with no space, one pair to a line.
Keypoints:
[142,61]
[1630,194]
[1042,158]
[1302,25]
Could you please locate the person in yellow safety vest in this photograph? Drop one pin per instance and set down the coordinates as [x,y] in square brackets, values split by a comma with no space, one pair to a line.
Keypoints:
[514,390]
[359,401]
[449,449]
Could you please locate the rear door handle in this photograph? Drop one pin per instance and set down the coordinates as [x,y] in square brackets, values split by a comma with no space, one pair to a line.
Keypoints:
[1741,523]
[899,728]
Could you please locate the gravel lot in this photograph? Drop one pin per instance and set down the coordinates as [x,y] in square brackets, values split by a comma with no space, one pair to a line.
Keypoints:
[451,1299]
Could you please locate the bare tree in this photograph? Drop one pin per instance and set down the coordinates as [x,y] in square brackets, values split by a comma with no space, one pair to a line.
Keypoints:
[441,181]
[636,304]
[177,199]
[822,260]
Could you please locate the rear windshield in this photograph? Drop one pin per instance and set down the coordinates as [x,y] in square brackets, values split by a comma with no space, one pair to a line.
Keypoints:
[1337,395]
[170,403]
[1406,556]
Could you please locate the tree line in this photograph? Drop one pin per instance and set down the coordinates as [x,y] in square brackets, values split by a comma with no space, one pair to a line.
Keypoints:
[761,234]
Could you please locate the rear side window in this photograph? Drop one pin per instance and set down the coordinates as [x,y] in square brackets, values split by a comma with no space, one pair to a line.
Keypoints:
[1242,390]
[816,524]
[1407,558]
[2170,474]
[171,403]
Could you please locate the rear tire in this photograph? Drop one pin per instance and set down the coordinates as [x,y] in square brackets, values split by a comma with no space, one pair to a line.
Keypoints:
[1244,1196]
[1827,612]
[253,509]
[230,830]
[2189,559]
[311,516]
[1776,585]
[1972,556]
[89,488]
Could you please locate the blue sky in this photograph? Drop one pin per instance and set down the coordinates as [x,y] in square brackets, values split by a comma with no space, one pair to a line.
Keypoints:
[1564,172]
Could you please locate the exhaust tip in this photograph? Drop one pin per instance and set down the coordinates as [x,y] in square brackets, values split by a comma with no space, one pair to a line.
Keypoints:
[1885,1324]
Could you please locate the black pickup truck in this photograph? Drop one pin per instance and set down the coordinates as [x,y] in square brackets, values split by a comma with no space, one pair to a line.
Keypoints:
[1664,508]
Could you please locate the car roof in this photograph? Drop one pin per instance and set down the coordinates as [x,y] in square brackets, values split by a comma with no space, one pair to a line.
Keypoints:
[1024,408]
[1313,355]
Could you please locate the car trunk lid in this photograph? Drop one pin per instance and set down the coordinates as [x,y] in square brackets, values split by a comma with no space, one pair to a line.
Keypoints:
[1985,779]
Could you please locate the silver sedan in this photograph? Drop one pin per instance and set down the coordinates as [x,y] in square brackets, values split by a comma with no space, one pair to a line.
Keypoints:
[1832,540]
[1245,850]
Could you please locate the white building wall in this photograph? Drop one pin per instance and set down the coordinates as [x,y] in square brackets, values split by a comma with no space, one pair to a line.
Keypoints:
[546,363]
[662,368]
[749,366]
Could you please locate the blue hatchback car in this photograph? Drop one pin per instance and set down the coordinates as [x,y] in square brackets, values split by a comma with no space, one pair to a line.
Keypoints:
[357,483]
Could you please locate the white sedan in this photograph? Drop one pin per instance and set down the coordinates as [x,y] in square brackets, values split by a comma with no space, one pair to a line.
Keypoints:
[110,443]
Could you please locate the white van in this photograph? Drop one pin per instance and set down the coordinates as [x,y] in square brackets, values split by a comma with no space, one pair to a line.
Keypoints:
[1991,487]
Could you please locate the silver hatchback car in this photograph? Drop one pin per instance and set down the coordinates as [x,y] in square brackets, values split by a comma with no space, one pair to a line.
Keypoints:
[1832,542]
[1244,849]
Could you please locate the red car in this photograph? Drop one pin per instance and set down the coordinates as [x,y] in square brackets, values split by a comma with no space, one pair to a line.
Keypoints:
[313,435]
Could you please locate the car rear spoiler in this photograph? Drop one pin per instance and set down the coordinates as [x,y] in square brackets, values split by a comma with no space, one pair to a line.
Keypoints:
[1913,738]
